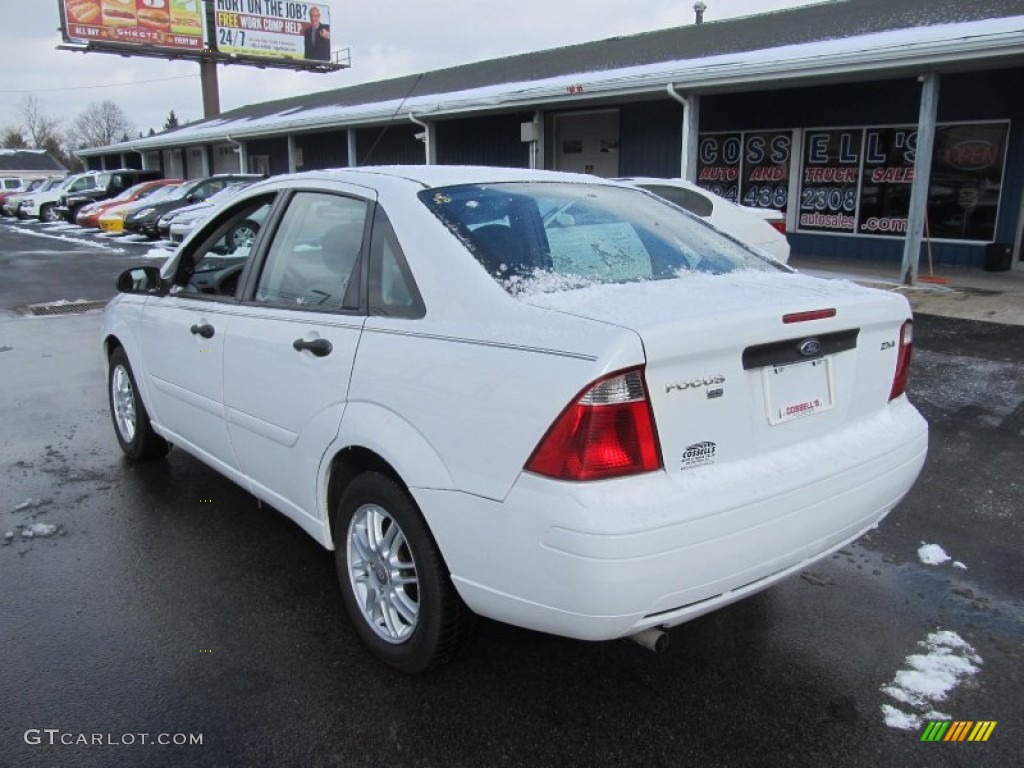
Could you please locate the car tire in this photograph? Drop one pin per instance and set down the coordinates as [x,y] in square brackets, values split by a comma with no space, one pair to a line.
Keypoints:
[49,213]
[380,538]
[131,421]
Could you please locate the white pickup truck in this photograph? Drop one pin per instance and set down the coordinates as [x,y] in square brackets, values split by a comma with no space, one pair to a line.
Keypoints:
[43,206]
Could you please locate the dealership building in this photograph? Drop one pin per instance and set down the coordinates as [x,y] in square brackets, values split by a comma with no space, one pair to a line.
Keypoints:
[817,111]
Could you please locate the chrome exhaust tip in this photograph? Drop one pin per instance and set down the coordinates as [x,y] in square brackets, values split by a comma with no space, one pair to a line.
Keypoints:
[653,639]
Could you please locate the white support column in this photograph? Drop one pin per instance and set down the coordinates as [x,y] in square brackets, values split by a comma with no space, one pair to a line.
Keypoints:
[690,133]
[539,148]
[532,134]
[353,161]
[291,153]
[691,138]
[796,153]
[429,138]
[922,176]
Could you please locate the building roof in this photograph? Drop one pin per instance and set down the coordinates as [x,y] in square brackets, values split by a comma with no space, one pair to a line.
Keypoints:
[883,31]
[29,160]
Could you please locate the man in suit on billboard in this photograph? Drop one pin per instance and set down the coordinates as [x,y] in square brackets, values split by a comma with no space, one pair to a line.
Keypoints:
[317,37]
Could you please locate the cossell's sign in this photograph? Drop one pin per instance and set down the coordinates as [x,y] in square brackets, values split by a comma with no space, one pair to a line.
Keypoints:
[145,23]
[273,28]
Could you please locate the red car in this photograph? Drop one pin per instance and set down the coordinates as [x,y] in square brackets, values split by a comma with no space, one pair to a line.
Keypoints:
[89,215]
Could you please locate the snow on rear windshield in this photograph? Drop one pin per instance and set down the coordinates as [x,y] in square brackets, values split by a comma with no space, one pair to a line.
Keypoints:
[551,236]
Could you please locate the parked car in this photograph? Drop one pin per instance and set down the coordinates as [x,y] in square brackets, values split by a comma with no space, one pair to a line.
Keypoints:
[111,221]
[108,184]
[762,227]
[598,424]
[176,225]
[43,205]
[9,201]
[144,220]
[13,184]
[89,215]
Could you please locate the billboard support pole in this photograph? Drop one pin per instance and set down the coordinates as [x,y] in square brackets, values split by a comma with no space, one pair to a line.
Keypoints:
[211,87]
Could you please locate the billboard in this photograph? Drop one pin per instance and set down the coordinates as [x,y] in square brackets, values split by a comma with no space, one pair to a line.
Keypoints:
[272,28]
[172,24]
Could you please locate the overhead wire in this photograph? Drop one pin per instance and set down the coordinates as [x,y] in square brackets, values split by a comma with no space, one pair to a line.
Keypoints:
[92,87]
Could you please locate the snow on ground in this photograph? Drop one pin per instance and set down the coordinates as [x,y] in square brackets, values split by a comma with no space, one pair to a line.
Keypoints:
[102,240]
[928,679]
[79,241]
[933,554]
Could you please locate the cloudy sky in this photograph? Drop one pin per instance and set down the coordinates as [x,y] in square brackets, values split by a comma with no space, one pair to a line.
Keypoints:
[386,39]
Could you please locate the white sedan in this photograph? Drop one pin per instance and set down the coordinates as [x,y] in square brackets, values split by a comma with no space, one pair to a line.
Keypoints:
[548,399]
[761,227]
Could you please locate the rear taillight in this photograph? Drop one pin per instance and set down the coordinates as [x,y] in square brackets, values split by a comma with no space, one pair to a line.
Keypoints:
[778,224]
[899,380]
[607,431]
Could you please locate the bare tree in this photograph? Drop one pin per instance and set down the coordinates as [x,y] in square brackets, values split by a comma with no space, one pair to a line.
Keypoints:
[12,139]
[37,126]
[100,124]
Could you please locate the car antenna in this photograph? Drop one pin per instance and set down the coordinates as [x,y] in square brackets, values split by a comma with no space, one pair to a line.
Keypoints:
[369,152]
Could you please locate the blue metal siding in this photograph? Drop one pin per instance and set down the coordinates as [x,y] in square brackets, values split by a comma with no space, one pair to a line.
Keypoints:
[493,140]
[884,102]
[276,149]
[651,138]
[391,144]
[323,150]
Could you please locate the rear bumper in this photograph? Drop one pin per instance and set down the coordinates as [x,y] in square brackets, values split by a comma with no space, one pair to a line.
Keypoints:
[603,560]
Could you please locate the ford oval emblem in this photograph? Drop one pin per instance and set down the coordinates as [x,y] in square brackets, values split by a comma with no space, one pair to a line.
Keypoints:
[810,348]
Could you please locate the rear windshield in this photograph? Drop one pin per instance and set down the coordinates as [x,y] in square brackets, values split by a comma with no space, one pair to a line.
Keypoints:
[539,236]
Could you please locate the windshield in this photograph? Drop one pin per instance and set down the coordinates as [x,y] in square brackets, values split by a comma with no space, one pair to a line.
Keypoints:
[131,192]
[552,235]
[183,191]
[228,192]
[167,192]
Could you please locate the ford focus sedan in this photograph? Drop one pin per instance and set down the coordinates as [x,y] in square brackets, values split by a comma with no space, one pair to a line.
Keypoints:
[552,400]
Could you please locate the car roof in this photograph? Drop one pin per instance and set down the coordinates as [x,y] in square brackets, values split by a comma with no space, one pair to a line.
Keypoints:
[442,175]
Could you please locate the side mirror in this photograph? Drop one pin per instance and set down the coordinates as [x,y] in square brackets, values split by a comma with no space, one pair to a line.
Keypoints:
[193,198]
[140,280]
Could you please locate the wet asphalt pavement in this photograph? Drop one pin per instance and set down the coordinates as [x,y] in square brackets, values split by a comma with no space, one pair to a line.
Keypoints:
[169,602]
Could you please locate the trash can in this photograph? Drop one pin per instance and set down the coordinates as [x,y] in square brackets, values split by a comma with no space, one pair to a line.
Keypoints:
[998,257]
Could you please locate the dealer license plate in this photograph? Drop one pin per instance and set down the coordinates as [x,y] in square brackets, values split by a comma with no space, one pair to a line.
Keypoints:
[798,390]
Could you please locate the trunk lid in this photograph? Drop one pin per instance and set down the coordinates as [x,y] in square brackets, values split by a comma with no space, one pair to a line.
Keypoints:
[734,369]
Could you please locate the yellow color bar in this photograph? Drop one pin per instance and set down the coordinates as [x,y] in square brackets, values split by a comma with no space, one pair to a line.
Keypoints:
[982,730]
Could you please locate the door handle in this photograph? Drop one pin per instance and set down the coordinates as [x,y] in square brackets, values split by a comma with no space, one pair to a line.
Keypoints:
[205,330]
[319,347]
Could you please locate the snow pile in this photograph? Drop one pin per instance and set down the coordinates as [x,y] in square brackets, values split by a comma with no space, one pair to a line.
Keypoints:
[78,241]
[157,252]
[39,530]
[928,679]
[933,554]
